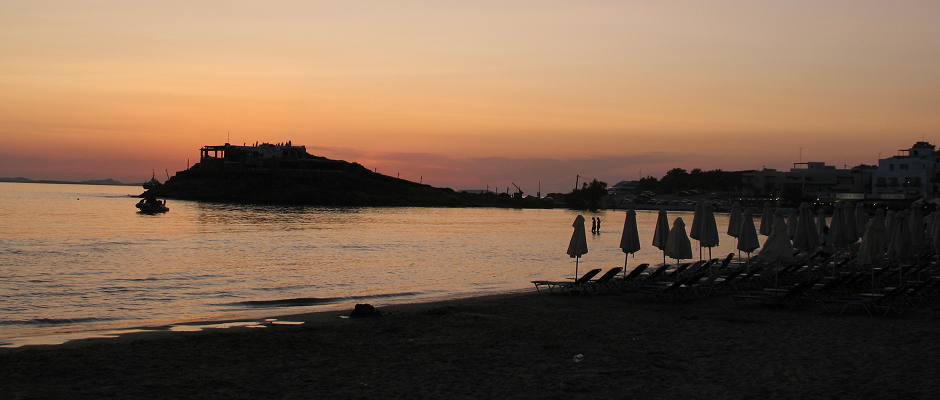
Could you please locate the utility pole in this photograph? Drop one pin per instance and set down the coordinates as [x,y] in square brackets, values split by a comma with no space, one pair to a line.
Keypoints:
[576,179]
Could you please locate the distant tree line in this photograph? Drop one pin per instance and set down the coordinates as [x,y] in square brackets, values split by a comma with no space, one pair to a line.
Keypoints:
[678,179]
[588,197]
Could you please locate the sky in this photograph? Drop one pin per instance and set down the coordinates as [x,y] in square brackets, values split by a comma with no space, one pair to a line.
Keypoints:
[467,94]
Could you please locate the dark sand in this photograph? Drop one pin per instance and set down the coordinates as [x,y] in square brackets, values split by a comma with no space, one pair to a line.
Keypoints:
[517,346]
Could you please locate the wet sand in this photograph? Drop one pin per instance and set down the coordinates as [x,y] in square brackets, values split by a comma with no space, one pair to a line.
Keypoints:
[511,346]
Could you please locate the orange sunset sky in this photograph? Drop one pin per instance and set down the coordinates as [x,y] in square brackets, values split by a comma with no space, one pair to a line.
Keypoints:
[466,93]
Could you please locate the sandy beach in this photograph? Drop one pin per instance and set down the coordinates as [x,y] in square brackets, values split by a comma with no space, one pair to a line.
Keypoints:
[508,346]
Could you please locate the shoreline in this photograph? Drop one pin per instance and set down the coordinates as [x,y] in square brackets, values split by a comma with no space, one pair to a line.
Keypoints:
[258,315]
[520,345]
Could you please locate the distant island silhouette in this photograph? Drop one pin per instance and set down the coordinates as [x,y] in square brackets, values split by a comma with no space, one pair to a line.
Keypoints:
[284,173]
[107,181]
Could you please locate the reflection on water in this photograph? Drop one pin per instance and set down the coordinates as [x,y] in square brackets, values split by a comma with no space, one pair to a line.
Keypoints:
[70,266]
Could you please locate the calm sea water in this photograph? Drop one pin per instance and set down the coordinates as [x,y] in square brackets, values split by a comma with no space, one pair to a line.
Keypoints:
[75,260]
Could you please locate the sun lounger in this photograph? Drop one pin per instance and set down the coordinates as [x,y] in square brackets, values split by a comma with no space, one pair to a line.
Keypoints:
[871,302]
[605,280]
[791,297]
[551,285]
[657,273]
[636,272]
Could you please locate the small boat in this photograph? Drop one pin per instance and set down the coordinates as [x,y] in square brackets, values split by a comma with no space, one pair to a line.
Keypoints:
[152,206]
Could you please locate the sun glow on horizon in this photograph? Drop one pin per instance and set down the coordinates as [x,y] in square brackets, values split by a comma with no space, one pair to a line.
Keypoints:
[463,94]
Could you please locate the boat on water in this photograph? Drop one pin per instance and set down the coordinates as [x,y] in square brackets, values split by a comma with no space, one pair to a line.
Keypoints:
[151,205]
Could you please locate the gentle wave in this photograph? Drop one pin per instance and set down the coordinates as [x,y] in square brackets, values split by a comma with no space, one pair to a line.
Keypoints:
[55,321]
[312,301]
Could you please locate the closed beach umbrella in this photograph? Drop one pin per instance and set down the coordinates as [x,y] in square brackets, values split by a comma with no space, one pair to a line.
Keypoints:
[838,237]
[872,248]
[708,237]
[899,241]
[899,236]
[747,240]
[821,227]
[734,220]
[678,245]
[915,222]
[629,239]
[767,220]
[777,247]
[861,219]
[935,232]
[791,223]
[931,221]
[889,221]
[851,231]
[577,247]
[874,241]
[695,231]
[805,238]
[661,232]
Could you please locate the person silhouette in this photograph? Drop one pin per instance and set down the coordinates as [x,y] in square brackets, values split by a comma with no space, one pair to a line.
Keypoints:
[598,225]
[593,225]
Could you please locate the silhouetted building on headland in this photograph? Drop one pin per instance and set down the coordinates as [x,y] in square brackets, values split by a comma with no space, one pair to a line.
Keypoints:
[264,155]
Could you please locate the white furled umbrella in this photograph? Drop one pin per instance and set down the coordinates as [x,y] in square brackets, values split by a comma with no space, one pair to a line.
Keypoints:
[931,221]
[777,248]
[577,246]
[695,231]
[899,236]
[821,227]
[708,237]
[805,238]
[915,222]
[861,218]
[872,249]
[678,245]
[767,220]
[661,232]
[629,239]
[734,220]
[791,223]
[851,231]
[935,232]
[838,237]
[874,242]
[899,241]
[747,239]
[734,223]
[889,221]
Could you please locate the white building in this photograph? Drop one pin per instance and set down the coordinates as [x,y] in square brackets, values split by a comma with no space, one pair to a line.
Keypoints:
[907,175]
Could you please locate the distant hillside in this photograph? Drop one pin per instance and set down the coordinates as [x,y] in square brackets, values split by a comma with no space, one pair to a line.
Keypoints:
[313,180]
[108,181]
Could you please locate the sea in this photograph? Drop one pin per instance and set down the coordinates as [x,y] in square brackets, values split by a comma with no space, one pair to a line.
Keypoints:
[79,261]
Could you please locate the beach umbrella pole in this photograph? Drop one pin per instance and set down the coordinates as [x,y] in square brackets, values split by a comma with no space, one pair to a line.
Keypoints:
[576,268]
[625,258]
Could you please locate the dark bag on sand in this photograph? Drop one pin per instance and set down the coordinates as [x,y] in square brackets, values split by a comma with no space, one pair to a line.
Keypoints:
[364,311]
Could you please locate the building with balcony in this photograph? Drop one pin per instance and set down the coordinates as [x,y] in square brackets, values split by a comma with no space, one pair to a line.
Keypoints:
[910,174]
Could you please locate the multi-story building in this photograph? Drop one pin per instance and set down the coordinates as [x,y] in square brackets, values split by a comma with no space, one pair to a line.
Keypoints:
[810,180]
[908,175]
